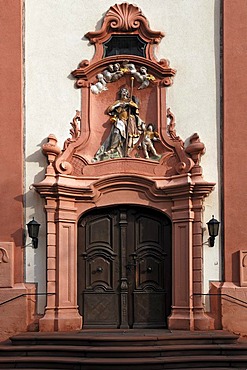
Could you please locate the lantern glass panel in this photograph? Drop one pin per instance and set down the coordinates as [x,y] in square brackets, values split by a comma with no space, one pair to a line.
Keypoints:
[33,229]
[213,227]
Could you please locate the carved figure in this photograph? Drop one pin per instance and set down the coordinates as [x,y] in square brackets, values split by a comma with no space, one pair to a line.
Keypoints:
[115,71]
[126,129]
[108,73]
[143,77]
[99,86]
[149,136]
[129,67]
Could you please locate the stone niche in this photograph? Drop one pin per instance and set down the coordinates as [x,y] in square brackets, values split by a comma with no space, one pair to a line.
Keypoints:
[97,169]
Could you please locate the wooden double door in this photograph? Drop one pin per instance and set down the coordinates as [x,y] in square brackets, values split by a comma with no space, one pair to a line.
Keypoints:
[124,268]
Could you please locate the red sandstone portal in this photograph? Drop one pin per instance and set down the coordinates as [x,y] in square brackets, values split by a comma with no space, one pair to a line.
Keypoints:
[97,169]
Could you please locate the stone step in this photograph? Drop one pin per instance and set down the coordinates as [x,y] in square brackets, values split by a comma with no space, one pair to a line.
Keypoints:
[121,351]
[125,338]
[182,362]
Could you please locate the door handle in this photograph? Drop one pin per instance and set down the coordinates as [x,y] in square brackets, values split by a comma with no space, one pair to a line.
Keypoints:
[131,264]
[99,269]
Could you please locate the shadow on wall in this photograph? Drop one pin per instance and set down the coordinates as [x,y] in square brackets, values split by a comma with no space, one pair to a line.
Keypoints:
[34,206]
[38,157]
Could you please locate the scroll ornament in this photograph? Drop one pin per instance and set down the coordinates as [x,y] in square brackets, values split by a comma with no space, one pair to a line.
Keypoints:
[4,257]
[171,128]
[74,131]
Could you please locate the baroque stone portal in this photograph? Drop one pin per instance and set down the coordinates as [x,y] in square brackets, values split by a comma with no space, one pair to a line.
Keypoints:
[124,150]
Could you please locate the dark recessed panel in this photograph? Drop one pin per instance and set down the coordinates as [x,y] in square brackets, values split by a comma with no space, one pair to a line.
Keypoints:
[121,44]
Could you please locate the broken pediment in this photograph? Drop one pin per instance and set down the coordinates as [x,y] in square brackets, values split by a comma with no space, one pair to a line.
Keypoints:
[124,125]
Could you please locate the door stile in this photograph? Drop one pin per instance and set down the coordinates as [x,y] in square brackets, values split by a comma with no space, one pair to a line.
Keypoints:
[123,223]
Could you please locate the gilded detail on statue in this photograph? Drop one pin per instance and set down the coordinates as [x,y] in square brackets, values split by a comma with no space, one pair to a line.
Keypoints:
[128,129]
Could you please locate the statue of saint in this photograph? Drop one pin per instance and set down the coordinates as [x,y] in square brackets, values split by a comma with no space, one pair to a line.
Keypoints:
[127,127]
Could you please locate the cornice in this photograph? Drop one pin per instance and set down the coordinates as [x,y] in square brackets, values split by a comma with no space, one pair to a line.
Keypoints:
[180,186]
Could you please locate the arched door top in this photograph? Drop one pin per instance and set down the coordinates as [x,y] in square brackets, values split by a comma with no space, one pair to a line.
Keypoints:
[124,267]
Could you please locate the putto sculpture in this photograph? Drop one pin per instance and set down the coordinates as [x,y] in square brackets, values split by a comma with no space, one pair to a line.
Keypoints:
[115,71]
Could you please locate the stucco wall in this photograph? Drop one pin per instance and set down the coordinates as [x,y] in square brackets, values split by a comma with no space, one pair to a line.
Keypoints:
[54,45]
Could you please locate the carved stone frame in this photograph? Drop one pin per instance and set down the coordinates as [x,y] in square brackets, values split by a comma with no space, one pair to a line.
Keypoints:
[69,192]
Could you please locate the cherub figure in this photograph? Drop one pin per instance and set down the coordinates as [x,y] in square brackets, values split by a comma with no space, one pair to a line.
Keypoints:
[113,73]
[149,135]
[100,85]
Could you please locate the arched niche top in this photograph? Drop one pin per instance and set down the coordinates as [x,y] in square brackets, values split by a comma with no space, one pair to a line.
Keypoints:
[125,20]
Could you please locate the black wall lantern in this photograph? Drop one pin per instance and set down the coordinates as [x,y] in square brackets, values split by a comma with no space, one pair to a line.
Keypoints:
[213,230]
[33,232]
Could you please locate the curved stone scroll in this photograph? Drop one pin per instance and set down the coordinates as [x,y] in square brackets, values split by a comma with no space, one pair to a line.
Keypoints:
[4,257]
[62,163]
[185,163]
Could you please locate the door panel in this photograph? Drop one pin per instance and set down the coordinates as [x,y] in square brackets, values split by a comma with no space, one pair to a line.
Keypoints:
[150,295]
[124,268]
[97,270]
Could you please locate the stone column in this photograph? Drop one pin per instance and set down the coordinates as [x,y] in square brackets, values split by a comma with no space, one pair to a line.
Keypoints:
[47,323]
[201,320]
[61,313]
[182,279]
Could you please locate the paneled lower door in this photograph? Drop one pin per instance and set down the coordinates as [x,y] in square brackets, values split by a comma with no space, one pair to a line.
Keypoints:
[124,268]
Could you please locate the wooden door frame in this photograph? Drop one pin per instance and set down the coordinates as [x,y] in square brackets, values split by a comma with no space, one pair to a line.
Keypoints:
[122,220]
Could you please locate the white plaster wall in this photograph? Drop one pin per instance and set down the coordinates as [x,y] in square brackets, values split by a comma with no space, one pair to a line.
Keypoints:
[54,45]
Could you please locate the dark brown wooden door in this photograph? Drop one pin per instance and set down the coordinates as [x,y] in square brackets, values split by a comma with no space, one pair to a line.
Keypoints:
[124,268]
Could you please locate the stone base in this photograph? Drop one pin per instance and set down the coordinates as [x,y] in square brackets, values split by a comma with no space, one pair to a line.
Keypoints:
[202,321]
[185,319]
[181,319]
[65,319]
[18,314]
[229,313]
